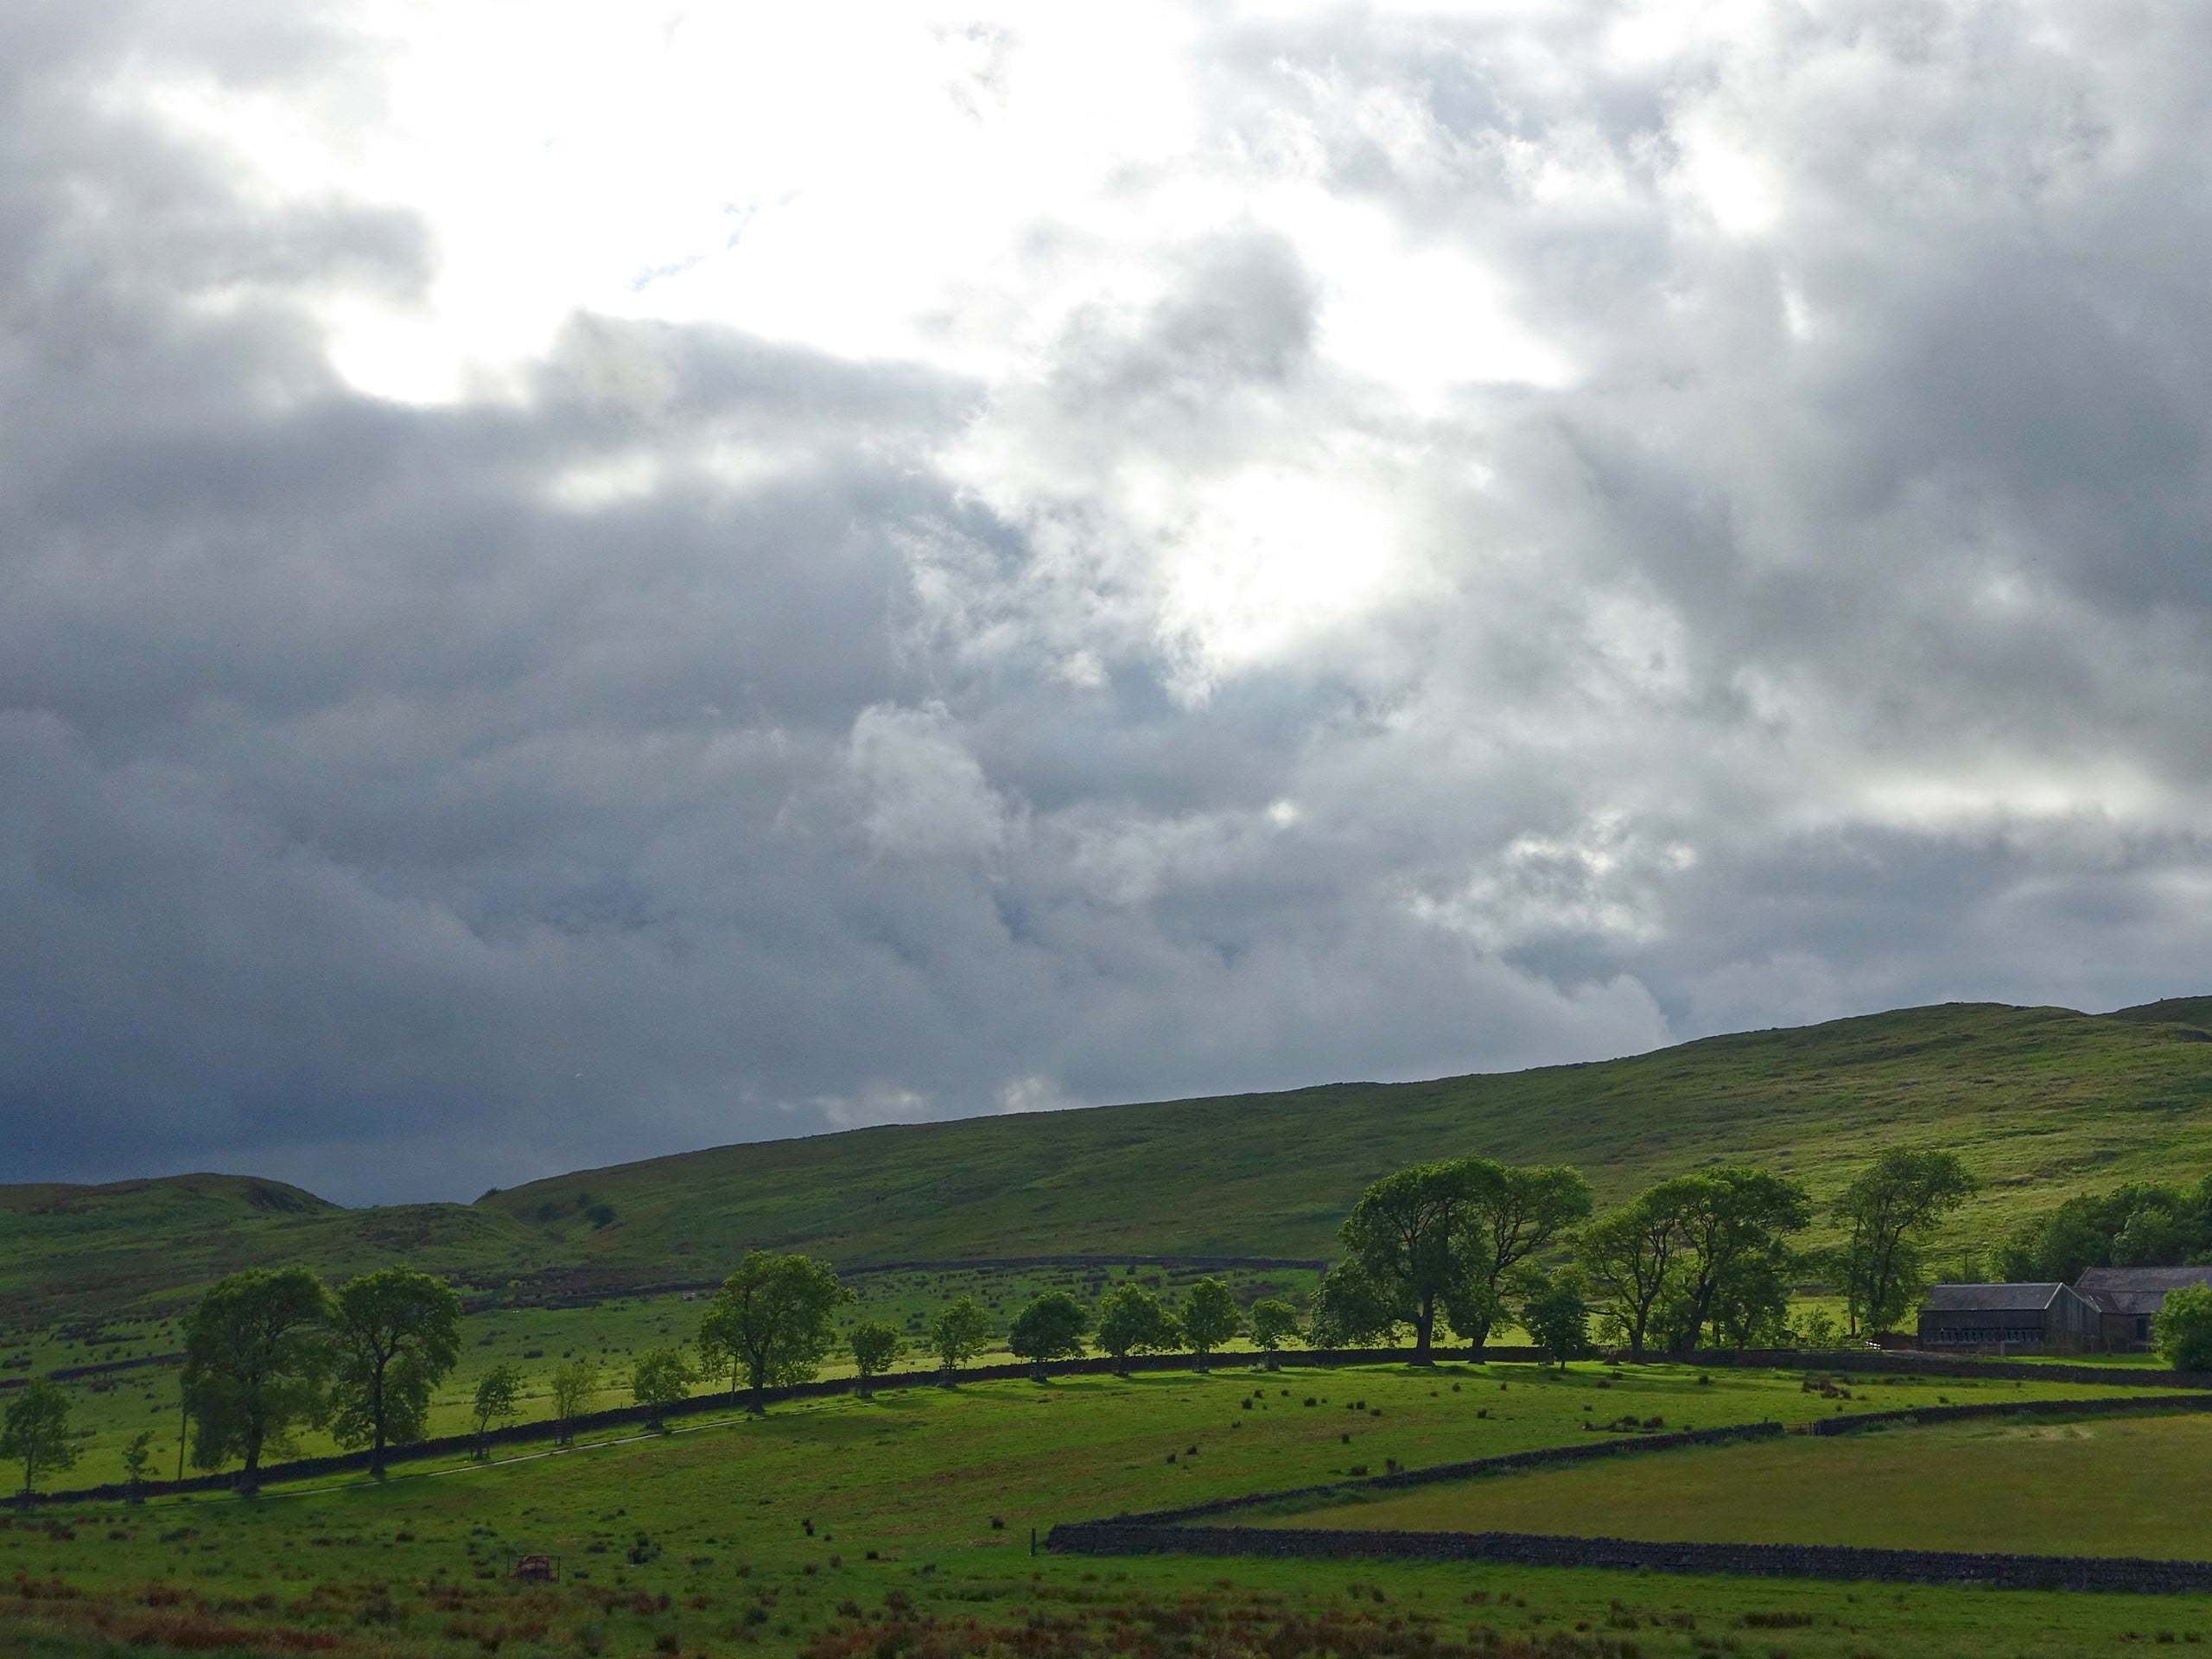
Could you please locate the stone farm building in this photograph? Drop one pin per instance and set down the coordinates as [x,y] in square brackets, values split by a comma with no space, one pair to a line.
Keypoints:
[2039,1319]
[2106,1310]
[2128,1298]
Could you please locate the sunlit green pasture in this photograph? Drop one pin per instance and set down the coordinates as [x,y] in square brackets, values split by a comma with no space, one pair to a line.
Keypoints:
[110,1409]
[844,1528]
[2104,1486]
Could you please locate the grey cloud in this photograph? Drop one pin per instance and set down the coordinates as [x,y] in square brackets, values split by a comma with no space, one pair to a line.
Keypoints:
[690,747]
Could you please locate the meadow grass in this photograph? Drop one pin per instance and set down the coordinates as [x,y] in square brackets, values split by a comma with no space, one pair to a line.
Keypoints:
[900,1526]
[2105,1486]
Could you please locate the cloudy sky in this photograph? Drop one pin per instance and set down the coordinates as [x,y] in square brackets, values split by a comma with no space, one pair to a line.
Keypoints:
[583,580]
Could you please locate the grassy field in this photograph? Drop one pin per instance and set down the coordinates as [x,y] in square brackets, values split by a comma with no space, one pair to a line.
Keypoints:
[901,1527]
[2127,1486]
[111,1408]
[2041,1103]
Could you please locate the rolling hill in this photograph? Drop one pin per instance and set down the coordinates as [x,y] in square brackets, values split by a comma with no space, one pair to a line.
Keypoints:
[2041,1101]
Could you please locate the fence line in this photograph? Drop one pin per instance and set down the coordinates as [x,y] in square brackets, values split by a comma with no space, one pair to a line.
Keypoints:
[1829,1562]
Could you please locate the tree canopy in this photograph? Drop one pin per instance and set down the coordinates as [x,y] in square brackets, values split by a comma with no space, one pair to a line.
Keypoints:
[1210,1318]
[1515,1212]
[1445,1238]
[1557,1318]
[876,1347]
[36,1432]
[658,1379]
[771,1321]
[1735,1225]
[1131,1320]
[257,1351]
[2141,1224]
[395,1334]
[1888,1213]
[1633,1257]
[1052,1327]
[2182,1328]
[959,1332]
[574,1384]
[1272,1320]
[497,1397]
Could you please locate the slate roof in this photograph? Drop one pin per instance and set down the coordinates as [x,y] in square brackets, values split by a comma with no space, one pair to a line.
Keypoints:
[1990,1299]
[2137,1290]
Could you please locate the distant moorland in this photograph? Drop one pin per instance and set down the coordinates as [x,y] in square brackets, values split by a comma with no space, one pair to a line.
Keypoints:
[2039,1102]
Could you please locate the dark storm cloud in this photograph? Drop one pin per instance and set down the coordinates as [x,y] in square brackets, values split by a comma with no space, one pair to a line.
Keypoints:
[705,738]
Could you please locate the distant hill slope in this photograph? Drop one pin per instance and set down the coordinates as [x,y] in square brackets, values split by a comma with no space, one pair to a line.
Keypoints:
[2040,1101]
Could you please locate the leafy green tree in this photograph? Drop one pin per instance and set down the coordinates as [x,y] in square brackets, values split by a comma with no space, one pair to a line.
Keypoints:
[35,1433]
[256,1350]
[1273,1320]
[498,1398]
[658,1379]
[1888,1213]
[1449,1238]
[1210,1318]
[1513,1213]
[1351,1310]
[1131,1320]
[1751,1308]
[771,1321]
[2141,1224]
[574,1384]
[1405,1235]
[2182,1328]
[1557,1319]
[1819,1330]
[959,1332]
[1735,1225]
[1051,1327]
[395,1334]
[1634,1256]
[137,1463]
[877,1348]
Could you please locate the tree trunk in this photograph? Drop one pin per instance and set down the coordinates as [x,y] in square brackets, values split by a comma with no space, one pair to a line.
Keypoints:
[1424,1332]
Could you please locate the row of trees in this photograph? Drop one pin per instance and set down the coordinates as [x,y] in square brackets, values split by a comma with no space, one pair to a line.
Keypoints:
[1454,1244]
[272,1348]
[269,1351]
[1709,1254]
[773,1323]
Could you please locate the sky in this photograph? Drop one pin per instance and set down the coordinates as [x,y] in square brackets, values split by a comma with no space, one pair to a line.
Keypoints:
[580,581]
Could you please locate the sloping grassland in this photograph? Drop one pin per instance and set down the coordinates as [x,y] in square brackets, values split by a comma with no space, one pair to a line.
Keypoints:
[2041,1101]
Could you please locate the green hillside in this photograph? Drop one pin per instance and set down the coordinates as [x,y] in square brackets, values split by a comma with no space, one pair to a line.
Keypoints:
[2041,1101]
